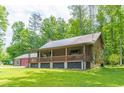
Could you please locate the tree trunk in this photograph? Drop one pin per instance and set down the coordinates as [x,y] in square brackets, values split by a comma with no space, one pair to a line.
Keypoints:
[80,16]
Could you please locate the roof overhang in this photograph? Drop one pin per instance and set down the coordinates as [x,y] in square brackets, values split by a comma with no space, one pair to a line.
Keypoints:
[67,46]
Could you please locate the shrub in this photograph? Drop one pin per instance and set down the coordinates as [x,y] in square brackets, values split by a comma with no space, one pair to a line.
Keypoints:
[4,57]
[114,59]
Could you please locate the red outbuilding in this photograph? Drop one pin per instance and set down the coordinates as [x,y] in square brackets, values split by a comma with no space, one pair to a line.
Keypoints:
[23,60]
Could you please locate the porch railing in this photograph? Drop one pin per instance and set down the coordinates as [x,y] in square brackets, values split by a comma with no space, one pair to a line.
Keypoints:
[60,58]
[75,57]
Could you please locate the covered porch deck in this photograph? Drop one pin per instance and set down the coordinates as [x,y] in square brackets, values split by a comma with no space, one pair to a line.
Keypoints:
[69,57]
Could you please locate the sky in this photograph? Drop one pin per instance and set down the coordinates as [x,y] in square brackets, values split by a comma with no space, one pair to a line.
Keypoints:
[23,12]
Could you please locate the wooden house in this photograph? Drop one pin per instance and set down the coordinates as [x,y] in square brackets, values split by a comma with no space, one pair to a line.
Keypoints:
[81,52]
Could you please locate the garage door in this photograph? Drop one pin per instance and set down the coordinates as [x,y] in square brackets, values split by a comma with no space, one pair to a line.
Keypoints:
[45,65]
[58,65]
[74,65]
[34,65]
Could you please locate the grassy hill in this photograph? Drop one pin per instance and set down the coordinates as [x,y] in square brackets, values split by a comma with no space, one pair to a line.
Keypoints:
[109,76]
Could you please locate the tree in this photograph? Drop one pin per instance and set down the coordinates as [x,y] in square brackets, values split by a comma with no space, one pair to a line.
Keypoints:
[3,28]
[20,40]
[3,23]
[74,27]
[110,19]
[35,40]
[53,29]
[78,12]
[4,56]
[61,29]
[35,22]
[17,28]
[3,18]
[121,13]
[92,16]
[49,27]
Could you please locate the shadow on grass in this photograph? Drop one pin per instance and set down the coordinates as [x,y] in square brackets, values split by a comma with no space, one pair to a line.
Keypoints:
[68,78]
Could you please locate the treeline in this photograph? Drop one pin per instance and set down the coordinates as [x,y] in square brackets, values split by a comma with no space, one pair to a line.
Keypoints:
[3,27]
[85,19]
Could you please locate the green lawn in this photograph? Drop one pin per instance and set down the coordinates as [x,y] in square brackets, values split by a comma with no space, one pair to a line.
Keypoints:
[109,76]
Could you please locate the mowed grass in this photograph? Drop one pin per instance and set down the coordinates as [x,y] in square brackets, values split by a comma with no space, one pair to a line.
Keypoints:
[29,77]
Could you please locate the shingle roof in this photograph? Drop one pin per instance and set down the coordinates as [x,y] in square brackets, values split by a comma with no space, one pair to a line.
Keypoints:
[26,56]
[90,38]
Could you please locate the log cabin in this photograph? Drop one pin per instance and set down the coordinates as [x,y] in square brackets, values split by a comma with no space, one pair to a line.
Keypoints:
[81,52]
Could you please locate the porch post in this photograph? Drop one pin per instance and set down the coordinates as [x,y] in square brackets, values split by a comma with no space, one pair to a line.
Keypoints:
[39,54]
[39,65]
[93,54]
[84,59]
[66,54]
[38,59]
[51,62]
[29,65]
[82,65]
[29,60]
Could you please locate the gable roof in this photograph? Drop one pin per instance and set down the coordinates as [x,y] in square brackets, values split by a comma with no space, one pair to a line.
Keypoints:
[90,38]
[26,56]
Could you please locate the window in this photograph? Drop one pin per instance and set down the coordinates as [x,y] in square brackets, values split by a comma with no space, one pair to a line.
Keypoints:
[74,65]
[18,62]
[77,51]
[34,65]
[45,65]
[46,54]
[58,65]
